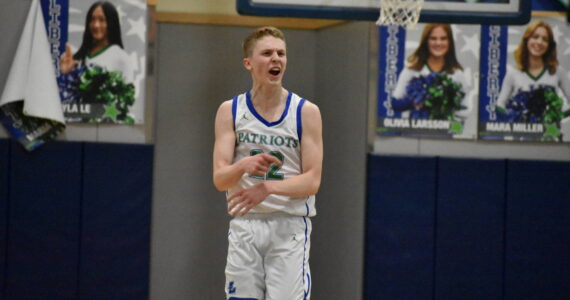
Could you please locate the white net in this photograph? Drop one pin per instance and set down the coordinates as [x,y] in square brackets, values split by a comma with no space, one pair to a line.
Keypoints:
[404,13]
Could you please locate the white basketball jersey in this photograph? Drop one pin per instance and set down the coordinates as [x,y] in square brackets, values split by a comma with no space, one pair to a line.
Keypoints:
[281,139]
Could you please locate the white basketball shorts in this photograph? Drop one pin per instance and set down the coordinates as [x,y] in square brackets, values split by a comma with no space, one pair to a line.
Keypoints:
[268,258]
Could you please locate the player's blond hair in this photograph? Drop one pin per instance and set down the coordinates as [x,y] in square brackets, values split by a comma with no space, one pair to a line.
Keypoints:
[549,57]
[258,34]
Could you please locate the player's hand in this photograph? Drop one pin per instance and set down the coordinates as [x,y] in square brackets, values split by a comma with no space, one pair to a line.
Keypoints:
[259,164]
[241,202]
[66,62]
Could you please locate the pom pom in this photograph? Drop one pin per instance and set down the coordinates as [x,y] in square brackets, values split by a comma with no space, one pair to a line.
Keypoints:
[96,85]
[435,96]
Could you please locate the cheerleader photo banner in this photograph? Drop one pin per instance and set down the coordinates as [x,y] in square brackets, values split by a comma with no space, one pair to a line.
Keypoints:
[100,56]
[428,84]
[525,86]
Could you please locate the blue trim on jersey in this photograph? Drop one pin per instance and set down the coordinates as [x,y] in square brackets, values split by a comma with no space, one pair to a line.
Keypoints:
[299,121]
[260,118]
[309,287]
[304,258]
[234,110]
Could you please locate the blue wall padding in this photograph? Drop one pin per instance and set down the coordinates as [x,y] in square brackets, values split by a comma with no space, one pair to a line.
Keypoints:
[75,221]
[469,229]
[538,230]
[43,231]
[500,229]
[115,237]
[400,228]
[4,193]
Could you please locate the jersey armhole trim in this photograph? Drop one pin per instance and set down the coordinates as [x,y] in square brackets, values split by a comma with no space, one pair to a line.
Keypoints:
[299,119]
[234,110]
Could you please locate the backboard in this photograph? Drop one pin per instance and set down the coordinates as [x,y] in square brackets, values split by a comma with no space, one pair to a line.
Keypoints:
[497,12]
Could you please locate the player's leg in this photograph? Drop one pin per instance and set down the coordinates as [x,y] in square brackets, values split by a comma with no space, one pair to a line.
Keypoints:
[244,267]
[288,276]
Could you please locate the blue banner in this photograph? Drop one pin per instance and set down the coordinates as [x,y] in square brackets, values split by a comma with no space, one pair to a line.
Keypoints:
[493,66]
[56,17]
[391,46]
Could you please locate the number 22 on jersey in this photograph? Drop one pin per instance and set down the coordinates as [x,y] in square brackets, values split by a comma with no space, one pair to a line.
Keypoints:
[273,173]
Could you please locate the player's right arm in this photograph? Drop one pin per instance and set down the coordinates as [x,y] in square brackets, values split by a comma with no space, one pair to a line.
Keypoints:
[226,173]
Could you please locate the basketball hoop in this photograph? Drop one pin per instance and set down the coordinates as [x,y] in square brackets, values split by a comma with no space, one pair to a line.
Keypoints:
[405,13]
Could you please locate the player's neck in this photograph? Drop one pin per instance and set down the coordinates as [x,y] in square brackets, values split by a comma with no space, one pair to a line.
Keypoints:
[269,103]
[268,96]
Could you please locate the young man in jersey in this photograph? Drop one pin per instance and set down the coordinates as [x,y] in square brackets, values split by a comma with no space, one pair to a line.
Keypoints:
[268,157]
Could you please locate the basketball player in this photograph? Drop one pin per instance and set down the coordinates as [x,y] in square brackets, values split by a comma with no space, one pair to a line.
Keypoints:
[268,157]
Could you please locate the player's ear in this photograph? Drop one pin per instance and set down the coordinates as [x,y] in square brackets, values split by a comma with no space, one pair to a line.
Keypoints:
[247,64]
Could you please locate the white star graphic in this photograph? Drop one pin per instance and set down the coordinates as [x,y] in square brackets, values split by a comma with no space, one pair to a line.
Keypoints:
[515,30]
[411,45]
[456,31]
[567,48]
[139,84]
[71,28]
[472,44]
[74,10]
[137,27]
[468,72]
[137,3]
[134,61]
[557,33]
[122,14]
[142,72]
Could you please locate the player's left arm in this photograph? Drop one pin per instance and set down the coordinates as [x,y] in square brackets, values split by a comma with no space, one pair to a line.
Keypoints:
[305,184]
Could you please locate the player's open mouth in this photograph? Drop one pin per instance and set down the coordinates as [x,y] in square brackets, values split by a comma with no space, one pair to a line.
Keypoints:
[275,71]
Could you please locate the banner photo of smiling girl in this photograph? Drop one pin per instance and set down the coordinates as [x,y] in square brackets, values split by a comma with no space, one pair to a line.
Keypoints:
[427,81]
[101,60]
[526,91]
